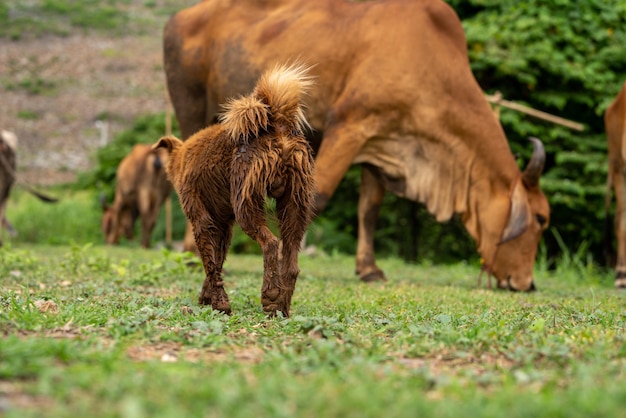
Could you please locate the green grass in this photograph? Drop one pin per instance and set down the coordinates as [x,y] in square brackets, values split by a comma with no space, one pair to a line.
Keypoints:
[127,339]
[20,19]
[75,218]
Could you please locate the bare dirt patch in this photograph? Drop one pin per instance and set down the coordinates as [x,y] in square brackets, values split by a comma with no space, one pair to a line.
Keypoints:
[169,352]
[54,90]
[13,395]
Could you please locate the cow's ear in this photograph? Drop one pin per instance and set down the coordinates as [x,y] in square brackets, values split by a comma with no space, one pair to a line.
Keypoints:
[519,214]
[170,143]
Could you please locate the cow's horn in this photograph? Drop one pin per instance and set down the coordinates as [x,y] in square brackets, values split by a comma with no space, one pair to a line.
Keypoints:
[535,165]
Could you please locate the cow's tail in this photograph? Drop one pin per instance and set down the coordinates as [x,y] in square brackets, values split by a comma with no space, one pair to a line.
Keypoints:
[275,102]
[39,195]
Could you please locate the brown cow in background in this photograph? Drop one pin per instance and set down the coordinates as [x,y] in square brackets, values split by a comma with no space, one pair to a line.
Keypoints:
[394,92]
[140,190]
[615,126]
[8,145]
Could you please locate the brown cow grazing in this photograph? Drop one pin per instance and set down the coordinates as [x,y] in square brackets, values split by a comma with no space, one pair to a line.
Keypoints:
[8,144]
[394,92]
[225,172]
[615,126]
[140,190]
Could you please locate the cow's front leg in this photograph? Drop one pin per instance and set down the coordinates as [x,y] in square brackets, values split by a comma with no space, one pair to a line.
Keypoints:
[148,212]
[340,147]
[620,229]
[371,195]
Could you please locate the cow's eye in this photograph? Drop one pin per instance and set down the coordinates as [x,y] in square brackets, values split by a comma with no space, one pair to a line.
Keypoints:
[541,219]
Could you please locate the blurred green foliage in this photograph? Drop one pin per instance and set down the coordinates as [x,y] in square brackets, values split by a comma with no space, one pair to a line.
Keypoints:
[565,58]
[73,219]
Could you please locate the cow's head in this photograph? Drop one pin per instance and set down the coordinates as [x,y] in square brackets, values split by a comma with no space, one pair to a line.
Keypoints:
[512,226]
[114,225]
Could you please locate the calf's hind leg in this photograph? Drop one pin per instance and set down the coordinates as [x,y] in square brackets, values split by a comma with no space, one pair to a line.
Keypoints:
[293,218]
[251,219]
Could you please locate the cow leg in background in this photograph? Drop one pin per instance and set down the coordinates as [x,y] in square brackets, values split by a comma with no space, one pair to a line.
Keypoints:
[7,171]
[341,145]
[371,195]
[3,219]
[338,151]
[8,227]
[148,213]
[122,222]
[128,224]
[3,204]
[619,183]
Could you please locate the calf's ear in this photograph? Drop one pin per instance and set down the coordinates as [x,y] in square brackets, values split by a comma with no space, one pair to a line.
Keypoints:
[170,143]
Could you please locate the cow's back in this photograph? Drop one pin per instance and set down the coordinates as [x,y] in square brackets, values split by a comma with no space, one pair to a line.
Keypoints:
[378,51]
[154,178]
[393,75]
[131,170]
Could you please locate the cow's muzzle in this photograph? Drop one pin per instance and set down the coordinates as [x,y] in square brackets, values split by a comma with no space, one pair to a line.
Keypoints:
[507,285]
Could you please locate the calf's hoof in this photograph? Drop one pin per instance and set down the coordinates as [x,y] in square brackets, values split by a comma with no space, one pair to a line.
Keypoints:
[218,301]
[620,283]
[273,309]
[273,301]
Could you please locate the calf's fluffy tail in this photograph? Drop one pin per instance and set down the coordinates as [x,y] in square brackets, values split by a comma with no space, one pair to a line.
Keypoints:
[275,102]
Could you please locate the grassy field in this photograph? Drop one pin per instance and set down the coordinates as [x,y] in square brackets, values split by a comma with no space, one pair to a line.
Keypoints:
[20,19]
[116,332]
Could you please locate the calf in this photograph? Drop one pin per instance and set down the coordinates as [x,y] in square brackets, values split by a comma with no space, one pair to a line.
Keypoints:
[225,172]
[141,188]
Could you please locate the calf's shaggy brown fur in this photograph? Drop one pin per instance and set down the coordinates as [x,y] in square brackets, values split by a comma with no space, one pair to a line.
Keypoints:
[224,173]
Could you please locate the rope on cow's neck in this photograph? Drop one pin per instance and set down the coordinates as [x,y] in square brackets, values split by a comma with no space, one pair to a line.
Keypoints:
[488,267]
